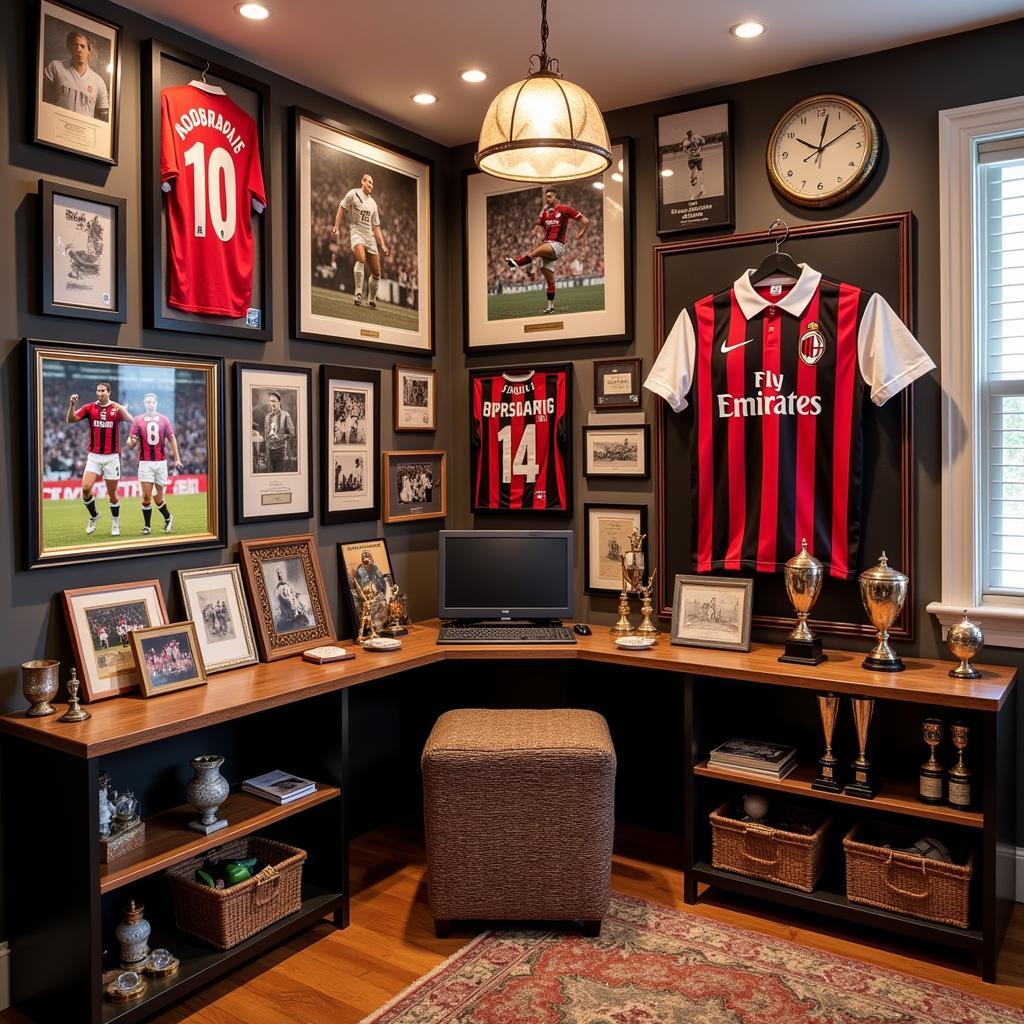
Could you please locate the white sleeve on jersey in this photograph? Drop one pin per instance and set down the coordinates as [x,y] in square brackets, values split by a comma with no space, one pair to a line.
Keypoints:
[672,373]
[890,357]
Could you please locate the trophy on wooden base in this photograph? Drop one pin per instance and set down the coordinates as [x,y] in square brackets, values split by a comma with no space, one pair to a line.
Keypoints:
[864,783]
[804,575]
[828,764]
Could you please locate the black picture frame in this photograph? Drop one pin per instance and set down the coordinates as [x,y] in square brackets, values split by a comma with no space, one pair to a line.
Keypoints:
[158,314]
[589,585]
[603,368]
[643,428]
[48,306]
[347,549]
[705,212]
[329,516]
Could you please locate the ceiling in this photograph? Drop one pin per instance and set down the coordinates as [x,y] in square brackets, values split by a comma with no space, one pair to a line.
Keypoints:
[376,56]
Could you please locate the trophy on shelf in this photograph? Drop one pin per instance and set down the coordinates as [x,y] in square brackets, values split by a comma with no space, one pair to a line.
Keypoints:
[828,763]
[933,775]
[804,575]
[121,827]
[961,779]
[398,617]
[647,627]
[366,630]
[864,783]
[633,567]
[883,591]
[964,639]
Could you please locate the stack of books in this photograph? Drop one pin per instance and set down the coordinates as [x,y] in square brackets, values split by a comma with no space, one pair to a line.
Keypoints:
[281,787]
[755,758]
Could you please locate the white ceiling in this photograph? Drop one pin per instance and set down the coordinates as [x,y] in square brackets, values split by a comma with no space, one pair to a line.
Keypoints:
[375,56]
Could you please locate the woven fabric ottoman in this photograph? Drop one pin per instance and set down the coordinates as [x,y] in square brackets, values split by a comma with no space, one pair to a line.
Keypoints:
[519,809]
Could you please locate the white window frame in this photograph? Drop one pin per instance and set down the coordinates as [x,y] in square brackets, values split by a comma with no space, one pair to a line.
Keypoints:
[960,131]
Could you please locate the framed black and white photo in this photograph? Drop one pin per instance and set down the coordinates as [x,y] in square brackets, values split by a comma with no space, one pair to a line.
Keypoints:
[617,383]
[214,600]
[273,424]
[415,399]
[361,238]
[349,444]
[83,253]
[414,486]
[549,264]
[617,451]
[606,532]
[168,658]
[695,170]
[709,611]
[78,82]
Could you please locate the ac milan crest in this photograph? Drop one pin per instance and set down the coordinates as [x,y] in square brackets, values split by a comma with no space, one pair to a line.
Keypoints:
[812,344]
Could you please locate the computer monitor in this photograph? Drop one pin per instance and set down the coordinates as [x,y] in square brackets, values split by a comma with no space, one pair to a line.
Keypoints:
[505,574]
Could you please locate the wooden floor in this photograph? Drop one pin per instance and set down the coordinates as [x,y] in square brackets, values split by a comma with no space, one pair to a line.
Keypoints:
[326,976]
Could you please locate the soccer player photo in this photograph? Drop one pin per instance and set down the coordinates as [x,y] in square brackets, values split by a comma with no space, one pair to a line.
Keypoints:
[363,252]
[126,453]
[349,444]
[414,486]
[168,658]
[550,262]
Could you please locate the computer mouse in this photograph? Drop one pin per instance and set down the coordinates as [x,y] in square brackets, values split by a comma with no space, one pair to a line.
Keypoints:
[582,629]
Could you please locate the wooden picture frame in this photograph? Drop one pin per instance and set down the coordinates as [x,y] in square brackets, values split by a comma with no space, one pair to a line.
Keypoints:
[699,620]
[168,658]
[350,400]
[411,489]
[371,560]
[617,383]
[606,529]
[291,610]
[414,399]
[621,452]
[214,599]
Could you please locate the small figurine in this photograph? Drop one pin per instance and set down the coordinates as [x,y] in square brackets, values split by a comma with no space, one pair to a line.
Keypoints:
[366,597]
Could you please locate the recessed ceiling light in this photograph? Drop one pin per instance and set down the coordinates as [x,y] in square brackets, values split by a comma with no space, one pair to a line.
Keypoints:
[620,165]
[616,176]
[425,98]
[747,29]
[598,184]
[254,12]
[667,173]
[474,75]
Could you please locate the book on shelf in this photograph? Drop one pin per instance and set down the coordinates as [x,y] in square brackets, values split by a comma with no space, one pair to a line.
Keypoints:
[281,787]
[752,752]
[755,773]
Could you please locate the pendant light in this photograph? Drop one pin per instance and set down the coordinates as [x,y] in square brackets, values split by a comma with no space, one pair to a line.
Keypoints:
[544,128]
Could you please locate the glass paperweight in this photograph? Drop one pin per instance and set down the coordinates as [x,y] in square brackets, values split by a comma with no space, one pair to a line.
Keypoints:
[128,981]
[160,959]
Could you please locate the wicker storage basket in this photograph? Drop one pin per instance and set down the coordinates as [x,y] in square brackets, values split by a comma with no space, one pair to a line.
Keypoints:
[748,848]
[225,917]
[907,883]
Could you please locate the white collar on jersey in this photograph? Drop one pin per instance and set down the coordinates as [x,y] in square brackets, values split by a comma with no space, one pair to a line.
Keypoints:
[206,87]
[795,301]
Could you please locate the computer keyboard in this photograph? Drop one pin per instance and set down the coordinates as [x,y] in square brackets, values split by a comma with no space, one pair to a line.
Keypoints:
[508,633]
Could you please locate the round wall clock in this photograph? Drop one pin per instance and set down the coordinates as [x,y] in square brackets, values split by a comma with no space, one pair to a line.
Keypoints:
[823,150]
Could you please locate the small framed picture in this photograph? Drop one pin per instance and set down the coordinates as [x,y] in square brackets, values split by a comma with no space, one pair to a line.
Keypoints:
[617,383]
[215,601]
[168,658]
[101,621]
[349,445]
[287,594]
[621,451]
[78,82]
[83,250]
[710,611]
[273,423]
[415,399]
[606,531]
[695,170]
[367,563]
[414,486]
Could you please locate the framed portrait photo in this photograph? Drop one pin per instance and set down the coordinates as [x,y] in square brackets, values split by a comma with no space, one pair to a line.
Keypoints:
[524,242]
[273,434]
[617,383]
[708,611]
[101,621]
[367,563]
[215,601]
[78,82]
[286,590]
[415,486]
[415,399]
[168,658]
[83,253]
[125,452]
[695,170]
[349,445]
[361,246]
[619,451]
[606,532]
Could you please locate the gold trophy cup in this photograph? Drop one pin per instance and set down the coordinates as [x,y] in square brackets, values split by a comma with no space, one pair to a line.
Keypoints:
[961,778]
[828,763]
[633,566]
[964,639]
[804,575]
[883,591]
[864,783]
[646,627]
[932,775]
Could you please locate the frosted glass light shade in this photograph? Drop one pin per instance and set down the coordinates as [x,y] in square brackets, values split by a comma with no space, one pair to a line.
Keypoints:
[543,129]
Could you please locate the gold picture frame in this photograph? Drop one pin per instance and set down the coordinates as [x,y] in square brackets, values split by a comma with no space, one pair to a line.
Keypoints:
[168,658]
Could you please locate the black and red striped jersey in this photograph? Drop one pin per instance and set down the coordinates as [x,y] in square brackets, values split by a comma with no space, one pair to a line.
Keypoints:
[520,427]
[777,374]
[555,221]
[104,432]
[152,429]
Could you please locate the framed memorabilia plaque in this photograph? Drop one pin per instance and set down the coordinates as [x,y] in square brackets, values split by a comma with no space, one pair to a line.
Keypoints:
[78,82]
[549,264]
[415,399]
[362,269]
[349,444]
[709,611]
[617,383]
[363,563]
[621,451]
[415,486]
[168,658]
[214,600]
[273,423]
[606,530]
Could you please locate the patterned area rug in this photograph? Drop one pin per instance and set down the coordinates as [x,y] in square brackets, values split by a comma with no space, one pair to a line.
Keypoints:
[654,965]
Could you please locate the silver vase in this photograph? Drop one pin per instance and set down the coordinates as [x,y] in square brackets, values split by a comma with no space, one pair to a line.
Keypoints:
[206,792]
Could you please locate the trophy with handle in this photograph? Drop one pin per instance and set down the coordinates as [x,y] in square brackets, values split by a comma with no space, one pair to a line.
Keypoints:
[633,566]
[804,575]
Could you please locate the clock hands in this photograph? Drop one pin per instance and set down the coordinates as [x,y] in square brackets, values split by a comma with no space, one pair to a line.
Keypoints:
[819,149]
[809,145]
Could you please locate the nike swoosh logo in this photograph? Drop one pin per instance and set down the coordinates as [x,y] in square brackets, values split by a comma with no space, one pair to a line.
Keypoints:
[739,344]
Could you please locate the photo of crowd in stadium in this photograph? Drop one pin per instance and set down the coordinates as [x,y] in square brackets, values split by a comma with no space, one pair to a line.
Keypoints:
[168,658]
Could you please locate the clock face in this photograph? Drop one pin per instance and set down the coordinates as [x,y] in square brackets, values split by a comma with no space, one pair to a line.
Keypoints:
[823,150]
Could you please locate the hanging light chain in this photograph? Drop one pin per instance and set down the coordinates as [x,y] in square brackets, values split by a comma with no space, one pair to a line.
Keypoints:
[544,62]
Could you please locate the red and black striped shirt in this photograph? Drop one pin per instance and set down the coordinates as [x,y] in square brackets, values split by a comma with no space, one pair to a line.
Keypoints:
[555,221]
[104,433]
[777,375]
[152,430]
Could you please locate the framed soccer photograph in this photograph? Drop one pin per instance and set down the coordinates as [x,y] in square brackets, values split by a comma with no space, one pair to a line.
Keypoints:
[349,444]
[289,603]
[78,82]
[273,453]
[168,658]
[709,611]
[415,486]
[549,264]
[366,563]
[606,532]
[206,189]
[415,399]
[695,170]
[617,383]
[619,451]
[101,621]
[125,452]
[214,600]
[361,238]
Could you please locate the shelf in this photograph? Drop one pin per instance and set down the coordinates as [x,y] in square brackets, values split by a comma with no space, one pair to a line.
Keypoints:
[897,796]
[169,840]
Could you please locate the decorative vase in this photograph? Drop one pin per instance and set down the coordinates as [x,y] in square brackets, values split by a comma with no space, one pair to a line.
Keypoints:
[206,792]
[39,683]
[133,936]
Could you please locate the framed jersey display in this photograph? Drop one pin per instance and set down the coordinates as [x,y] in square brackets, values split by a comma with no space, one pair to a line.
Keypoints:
[362,267]
[549,264]
[125,452]
[520,430]
[205,195]
[787,412]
